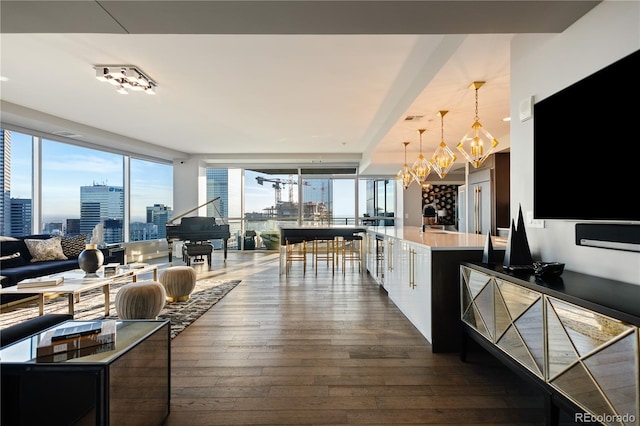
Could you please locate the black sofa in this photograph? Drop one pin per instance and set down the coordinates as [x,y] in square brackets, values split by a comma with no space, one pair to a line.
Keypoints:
[31,326]
[16,261]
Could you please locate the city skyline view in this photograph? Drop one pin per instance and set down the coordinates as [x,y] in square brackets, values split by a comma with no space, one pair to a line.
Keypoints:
[61,180]
[151,183]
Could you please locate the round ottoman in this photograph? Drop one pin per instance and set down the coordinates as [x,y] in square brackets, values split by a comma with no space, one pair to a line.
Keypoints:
[178,282]
[140,300]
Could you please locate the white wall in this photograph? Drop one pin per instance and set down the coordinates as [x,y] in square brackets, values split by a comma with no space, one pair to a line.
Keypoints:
[189,186]
[540,66]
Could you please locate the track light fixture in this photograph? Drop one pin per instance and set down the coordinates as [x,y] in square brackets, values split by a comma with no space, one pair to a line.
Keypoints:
[126,78]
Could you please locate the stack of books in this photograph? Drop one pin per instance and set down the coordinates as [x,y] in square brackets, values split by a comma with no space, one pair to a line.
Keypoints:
[40,282]
[77,339]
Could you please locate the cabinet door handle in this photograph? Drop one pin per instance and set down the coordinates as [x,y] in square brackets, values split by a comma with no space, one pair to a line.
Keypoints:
[390,257]
[476,208]
[412,268]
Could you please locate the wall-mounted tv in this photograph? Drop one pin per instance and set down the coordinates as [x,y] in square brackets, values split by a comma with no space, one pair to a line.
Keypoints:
[586,163]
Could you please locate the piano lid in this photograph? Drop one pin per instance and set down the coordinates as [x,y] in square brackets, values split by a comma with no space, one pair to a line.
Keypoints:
[170,222]
[197,223]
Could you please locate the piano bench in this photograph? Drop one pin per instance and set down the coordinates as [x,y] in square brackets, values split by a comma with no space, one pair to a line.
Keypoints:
[197,250]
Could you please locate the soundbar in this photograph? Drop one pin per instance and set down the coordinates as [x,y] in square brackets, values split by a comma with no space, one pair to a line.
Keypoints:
[615,236]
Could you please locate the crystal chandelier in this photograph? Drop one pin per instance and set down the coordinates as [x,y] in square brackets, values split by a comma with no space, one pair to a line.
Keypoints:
[480,142]
[443,159]
[404,175]
[421,168]
[126,78]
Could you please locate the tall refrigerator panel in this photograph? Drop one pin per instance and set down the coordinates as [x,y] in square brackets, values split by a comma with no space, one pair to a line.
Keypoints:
[480,202]
[484,201]
[461,207]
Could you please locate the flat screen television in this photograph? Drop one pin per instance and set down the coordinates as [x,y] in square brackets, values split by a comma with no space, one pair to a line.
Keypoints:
[586,137]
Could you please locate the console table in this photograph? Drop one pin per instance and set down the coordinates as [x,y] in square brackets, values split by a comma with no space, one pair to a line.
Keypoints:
[575,336]
[128,385]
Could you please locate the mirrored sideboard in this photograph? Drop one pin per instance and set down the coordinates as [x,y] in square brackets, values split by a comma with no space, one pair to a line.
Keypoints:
[576,337]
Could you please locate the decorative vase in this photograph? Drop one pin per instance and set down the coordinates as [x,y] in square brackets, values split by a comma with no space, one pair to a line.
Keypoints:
[90,259]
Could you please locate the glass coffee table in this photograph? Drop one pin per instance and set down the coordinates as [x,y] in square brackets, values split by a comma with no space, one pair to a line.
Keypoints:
[76,282]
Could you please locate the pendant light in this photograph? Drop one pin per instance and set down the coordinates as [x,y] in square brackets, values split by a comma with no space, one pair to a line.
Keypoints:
[443,159]
[421,168]
[404,175]
[478,141]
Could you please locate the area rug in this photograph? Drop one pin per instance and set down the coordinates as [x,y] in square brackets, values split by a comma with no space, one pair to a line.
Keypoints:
[91,306]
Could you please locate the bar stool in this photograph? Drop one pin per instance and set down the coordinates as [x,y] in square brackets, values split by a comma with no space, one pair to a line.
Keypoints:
[324,249]
[295,251]
[350,250]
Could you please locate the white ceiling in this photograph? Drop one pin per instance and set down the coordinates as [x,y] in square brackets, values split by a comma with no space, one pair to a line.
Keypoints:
[273,82]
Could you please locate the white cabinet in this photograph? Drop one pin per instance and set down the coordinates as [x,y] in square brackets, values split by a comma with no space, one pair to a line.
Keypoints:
[392,271]
[423,282]
[418,301]
[408,282]
[370,254]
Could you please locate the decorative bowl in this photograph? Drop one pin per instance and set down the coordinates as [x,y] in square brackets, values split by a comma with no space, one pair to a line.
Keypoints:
[548,269]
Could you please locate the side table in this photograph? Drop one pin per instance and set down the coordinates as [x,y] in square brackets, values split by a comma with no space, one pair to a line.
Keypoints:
[126,385]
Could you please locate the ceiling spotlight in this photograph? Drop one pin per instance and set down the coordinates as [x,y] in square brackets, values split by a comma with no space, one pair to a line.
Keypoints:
[126,77]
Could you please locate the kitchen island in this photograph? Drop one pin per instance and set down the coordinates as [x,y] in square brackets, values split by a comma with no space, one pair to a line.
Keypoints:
[420,271]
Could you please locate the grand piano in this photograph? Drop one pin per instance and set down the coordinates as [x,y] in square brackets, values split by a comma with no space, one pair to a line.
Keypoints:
[197,229]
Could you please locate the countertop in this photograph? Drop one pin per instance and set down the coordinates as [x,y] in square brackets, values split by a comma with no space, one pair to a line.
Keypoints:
[438,239]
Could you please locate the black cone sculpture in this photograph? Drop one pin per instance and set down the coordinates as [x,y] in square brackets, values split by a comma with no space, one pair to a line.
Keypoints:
[488,256]
[518,254]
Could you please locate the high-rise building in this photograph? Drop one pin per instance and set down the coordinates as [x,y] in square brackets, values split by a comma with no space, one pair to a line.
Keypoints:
[98,204]
[5,178]
[53,228]
[73,227]
[20,212]
[218,186]
[139,231]
[113,230]
[159,214]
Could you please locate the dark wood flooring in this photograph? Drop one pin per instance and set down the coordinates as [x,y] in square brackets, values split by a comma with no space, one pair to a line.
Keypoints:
[327,350]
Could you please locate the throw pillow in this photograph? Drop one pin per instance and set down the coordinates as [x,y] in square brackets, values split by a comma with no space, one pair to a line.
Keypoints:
[42,250]
[73,246]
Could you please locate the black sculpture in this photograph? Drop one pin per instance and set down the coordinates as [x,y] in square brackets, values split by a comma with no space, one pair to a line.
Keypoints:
[518,254]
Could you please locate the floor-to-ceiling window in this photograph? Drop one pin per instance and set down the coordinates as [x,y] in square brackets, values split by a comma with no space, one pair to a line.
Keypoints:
[328,201]
[60,188]
[151,186]
[224,186]
[82,189]
[270,201]
[260,201]
[16,163]
[377,199]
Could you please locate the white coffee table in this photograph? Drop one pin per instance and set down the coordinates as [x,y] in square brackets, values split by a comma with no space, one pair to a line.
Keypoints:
[76,282]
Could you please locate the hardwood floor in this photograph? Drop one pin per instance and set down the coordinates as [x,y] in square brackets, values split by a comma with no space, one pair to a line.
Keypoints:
[327,350]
